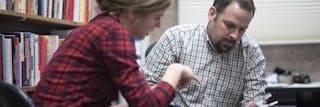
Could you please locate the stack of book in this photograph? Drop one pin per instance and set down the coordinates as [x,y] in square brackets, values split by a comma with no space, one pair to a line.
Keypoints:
[73,10]
[24,55]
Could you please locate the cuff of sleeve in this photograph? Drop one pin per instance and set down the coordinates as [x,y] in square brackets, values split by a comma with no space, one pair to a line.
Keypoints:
[168,90]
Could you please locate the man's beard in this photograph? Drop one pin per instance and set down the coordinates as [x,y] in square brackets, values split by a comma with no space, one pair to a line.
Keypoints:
[221,48]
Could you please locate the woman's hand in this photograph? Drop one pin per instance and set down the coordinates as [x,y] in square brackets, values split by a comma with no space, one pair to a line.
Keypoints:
[179,75]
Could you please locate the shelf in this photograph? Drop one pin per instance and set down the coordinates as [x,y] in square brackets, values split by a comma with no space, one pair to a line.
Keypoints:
[32,23]
[27,88]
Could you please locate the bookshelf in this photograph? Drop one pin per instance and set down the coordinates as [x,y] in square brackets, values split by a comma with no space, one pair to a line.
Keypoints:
[14,21]
[11,21]
[27,88]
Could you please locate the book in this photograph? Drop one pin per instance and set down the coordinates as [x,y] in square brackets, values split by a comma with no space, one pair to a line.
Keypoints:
[1,59]
[84,4]
[16,5]
[19,55]
[9,5]
[16,62]
[43,50]
[36,60]
[49,9]
[53,45]
[7,53]
[20,37]
[27,69]
[31,59]
[57,9]
[29,6]
[69,9]
[76,10]
[3,4]
[35,6]
[23,6]
[43,7]
[4,64]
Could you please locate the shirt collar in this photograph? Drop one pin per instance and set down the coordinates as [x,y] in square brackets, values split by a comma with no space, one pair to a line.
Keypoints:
[207,35]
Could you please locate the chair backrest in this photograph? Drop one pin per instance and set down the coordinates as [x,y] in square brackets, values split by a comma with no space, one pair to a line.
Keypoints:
[149,49]
[12,96]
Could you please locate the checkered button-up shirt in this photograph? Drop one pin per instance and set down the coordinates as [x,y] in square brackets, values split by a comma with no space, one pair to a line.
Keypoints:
[229,79]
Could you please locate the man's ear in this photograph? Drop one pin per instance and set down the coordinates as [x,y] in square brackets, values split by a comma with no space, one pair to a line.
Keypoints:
[212,13]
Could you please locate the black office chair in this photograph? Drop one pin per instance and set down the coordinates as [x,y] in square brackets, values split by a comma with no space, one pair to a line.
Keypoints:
[12,96]
[149,49]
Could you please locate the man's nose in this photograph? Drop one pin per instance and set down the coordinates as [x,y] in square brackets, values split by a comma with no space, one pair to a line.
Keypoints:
[235,35]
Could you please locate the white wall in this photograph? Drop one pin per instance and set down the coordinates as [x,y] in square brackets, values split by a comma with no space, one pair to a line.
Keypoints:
[275,21]
[193,11]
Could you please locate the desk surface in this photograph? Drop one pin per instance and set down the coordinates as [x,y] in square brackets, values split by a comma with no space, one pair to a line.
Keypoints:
[301,95]
[310,87]
[295,85]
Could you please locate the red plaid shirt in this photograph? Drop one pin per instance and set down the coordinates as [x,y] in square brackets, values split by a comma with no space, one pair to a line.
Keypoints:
[92,64]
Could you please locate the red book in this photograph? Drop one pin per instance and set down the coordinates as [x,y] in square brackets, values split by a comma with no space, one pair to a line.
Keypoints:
[18,63]
[43,41]
[68,10]
[86,13]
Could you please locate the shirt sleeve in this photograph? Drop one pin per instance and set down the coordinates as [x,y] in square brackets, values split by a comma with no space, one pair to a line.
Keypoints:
[255,82]
[118,52]
[163,53]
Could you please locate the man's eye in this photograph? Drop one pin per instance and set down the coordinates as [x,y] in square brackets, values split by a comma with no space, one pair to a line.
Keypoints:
[242,30]
[229,25]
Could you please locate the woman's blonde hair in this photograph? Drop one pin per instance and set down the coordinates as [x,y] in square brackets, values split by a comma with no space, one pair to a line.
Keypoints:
[138,7]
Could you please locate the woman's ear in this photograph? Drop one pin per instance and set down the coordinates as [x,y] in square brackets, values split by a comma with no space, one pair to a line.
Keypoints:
[130,15]
[212,13]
